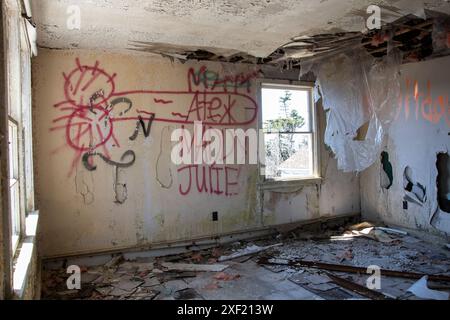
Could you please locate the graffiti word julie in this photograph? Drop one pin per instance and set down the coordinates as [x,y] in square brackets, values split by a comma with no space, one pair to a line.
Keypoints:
[433,109]
[215,180]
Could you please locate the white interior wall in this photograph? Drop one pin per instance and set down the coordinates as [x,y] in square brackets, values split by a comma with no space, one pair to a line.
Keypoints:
[79,212]
[420,130]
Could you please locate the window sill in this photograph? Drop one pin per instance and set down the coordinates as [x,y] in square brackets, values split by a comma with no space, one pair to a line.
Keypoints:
[281,184]
[24,257]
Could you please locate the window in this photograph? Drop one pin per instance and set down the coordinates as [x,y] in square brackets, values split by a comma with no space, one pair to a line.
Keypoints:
[13,150]
[18,66]
[288,123]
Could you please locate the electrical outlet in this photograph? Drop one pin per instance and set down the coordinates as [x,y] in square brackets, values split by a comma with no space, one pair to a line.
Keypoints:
[215,216]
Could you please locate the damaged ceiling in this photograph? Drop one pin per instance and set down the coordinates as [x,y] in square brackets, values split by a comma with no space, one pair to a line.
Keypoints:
[223,28]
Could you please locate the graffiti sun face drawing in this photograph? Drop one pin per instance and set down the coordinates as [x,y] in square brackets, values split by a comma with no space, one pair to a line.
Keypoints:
[87,122]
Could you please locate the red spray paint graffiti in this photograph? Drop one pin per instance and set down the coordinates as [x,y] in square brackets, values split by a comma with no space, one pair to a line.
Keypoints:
[218,180]
[93,106]
[433,109]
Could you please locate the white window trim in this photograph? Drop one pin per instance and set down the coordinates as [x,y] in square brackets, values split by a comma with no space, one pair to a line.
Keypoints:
[297,181]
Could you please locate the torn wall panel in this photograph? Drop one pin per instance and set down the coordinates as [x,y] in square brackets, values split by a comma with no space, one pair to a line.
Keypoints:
[358,90]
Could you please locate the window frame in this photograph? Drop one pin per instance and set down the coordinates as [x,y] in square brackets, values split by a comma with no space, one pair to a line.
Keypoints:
[14,183]
[18,108]
[313,131]
[18,46]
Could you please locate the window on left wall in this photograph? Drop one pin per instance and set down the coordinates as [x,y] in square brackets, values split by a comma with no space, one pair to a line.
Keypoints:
[20,166]
[14,191]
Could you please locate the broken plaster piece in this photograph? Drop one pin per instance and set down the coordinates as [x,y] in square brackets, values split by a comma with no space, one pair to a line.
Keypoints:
[127,284]
[421,290]
[151,282]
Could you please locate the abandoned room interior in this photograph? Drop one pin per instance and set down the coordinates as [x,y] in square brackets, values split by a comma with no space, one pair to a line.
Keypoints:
[225,150]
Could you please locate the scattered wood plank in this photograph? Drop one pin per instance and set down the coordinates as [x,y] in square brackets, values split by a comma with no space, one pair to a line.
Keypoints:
[350,269]
[114,261]
[170,266]
[359,289]
[247,251]
[393,231]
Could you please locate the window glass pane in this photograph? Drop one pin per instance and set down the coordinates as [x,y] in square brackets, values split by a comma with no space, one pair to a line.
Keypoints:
[13,152]
[27,132]
[288,155]
[15,208]
[285,110]
[13,62]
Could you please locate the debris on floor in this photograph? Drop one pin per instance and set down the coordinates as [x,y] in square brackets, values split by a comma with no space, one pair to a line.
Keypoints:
[226,276]
[421,290]
[328,262]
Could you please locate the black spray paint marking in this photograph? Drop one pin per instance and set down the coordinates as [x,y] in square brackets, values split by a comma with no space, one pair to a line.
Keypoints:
[145,128]
[94,97]
[129,153]
[120,188]
[122,100]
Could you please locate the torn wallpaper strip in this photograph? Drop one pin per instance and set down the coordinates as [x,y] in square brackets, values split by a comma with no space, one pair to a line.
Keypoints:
[357,90]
